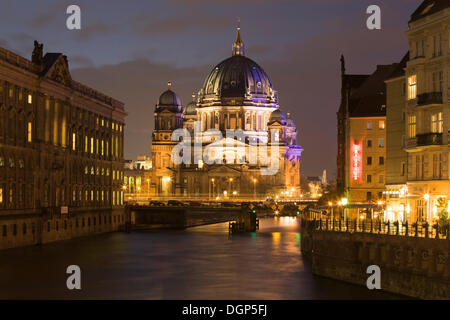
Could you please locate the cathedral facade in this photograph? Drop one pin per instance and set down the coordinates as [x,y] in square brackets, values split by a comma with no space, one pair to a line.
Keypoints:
[236,142]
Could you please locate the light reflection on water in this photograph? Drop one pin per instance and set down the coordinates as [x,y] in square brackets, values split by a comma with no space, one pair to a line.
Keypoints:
[198,263]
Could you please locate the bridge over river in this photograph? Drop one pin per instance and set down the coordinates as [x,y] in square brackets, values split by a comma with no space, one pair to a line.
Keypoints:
[155,217]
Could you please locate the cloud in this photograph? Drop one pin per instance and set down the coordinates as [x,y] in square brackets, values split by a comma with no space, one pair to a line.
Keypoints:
[90,31]
[42,20]
[80,62]
[145,26]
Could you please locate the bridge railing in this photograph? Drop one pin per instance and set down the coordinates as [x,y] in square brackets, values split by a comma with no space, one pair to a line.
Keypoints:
[376,226]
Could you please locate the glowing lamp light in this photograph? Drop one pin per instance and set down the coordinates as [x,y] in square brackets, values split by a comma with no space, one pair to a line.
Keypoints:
[344,201]
[426,196]
[408,208]
[380,203]
[330,204]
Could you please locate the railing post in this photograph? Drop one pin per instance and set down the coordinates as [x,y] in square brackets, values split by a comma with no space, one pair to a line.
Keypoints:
[436,226]
[363,226]
[426,225]
[320,224]
[346,225]
[397,228]
[340,224]
[406,228]
[333,223]
[388,227]
[416,227]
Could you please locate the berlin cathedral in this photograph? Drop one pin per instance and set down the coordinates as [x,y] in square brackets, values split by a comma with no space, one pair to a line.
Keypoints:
[237,95]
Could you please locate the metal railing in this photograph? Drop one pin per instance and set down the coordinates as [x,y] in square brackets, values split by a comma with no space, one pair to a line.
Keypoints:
[429,139]
[429,98]
[375,226]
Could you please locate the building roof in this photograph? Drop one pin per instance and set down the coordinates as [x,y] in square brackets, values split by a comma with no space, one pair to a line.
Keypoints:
[369,100]
[429,7]
[400,70]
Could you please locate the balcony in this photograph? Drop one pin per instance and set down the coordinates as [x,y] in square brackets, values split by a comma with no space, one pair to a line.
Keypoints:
[429,139]
[429,98]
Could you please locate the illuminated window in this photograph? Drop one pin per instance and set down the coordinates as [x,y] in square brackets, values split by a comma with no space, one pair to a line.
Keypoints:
[411,126]
[92,171]
[381,124]
[30,99]
[103,147]
[96,146]
[103,122]
[92,145]
[369,125]
[85,144]
[381,142]
[437,123]
[74,141]
[30,132]
[369,178]
[412,87]
[86,170]
[1,195]
[11,92]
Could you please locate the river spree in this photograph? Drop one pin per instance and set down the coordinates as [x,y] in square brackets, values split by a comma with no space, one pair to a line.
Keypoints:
[198,263]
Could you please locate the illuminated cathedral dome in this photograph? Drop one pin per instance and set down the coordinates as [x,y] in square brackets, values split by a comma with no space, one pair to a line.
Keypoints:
[238,77]
[169,100]
[191,108]
[277,115]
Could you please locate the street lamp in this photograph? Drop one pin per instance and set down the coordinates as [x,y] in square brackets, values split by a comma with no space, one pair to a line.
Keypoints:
[254,188]
[427,197]
[212,191]
[148,188]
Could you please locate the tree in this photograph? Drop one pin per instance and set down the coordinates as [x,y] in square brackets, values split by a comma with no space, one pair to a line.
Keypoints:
[443,220]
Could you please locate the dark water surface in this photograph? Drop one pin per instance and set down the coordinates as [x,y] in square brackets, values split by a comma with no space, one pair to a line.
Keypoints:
[200,263]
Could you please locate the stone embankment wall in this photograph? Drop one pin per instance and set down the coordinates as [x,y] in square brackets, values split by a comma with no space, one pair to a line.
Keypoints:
[39,228]
[415,267]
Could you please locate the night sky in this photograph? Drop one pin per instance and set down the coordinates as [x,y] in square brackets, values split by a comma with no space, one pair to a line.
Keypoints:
[130,49]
